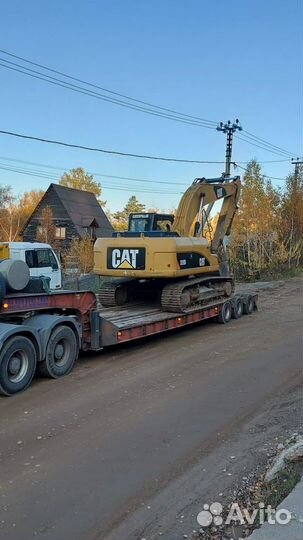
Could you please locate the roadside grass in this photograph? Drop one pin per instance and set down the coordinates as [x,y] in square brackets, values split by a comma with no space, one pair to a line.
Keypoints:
[256,495]
[270,274]
[274,493]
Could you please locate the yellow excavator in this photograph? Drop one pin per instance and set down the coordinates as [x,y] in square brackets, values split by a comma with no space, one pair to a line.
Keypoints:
[184,265]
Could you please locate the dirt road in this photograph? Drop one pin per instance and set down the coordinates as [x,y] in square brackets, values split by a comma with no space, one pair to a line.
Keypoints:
[133,443]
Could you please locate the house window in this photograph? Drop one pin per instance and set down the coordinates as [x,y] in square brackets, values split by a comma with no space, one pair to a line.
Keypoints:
[61,233]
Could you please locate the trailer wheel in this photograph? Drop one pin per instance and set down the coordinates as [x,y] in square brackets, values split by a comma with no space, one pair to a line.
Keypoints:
[237,308]
[61,353]
[225,313]
[248,306]
[18,361]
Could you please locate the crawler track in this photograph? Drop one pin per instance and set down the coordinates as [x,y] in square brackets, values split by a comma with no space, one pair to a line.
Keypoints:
[176,296]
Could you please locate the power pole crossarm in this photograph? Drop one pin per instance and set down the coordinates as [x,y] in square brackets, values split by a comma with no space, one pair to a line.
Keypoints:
[297,162]
[229,128]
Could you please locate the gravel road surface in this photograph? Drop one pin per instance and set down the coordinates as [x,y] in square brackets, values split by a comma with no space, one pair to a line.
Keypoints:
[136,439]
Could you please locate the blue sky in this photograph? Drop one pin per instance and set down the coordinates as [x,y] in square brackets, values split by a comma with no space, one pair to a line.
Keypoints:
[211,58]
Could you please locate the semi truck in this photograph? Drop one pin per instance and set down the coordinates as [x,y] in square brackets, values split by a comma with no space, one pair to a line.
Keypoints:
[44,331]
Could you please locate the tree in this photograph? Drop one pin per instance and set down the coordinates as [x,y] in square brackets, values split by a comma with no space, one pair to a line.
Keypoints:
[81,255]
[120,219]
[29,201]
[6,196]
[291,225]
[10,223]
[46,231]
[254,235]
[78,179]
[15,212]
[9,215]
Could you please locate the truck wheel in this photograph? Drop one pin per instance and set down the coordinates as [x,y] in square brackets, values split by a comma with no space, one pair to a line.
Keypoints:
[18,361]
[248,306]
[225,313]
[61,353]
[237,308]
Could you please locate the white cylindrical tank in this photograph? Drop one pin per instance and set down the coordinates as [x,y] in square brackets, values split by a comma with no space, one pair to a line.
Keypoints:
[15,273]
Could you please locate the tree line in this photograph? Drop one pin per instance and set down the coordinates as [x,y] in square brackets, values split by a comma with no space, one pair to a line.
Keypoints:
[267,234]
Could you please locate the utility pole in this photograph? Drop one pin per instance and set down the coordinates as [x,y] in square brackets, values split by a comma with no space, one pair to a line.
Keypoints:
[296,162]
[229,128]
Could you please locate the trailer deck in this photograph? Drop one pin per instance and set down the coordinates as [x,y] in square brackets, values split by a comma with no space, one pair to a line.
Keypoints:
[45,331]
[138,321]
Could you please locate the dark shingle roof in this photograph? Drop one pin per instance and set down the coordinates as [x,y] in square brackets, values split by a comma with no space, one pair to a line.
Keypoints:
[83,208]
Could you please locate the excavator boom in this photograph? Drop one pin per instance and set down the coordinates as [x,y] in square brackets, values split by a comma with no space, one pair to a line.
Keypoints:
[204,193]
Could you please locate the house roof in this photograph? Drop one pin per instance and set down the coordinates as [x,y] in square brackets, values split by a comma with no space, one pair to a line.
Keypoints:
[82,208]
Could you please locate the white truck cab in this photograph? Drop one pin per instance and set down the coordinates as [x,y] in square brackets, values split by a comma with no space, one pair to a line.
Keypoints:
[40,258]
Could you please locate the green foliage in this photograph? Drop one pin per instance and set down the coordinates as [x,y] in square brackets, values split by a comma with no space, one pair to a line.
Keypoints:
[120,219]
[78,179]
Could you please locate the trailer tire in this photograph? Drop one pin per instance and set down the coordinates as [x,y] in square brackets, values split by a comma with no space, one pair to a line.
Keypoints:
[61,353]
[225,313]
[248,306]
[237,308]
[18,360]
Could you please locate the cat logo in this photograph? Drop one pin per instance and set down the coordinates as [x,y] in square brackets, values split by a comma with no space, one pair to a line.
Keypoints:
[126,258]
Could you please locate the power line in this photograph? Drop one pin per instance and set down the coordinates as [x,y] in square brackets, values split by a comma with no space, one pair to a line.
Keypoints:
[86,92]
[48,176]
[103,151]
[264,175]
[211,122]
[178,117]
[104,185]
[94,173]
[132,179]
[254,137]
[277,153]
[132,103]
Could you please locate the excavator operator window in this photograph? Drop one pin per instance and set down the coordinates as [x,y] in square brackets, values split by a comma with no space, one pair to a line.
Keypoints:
[139,224]
[163,223]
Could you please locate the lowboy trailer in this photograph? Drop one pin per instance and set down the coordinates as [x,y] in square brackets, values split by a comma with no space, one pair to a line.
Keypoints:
[44,332]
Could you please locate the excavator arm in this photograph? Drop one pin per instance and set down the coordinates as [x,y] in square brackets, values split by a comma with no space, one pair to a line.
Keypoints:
[197,202]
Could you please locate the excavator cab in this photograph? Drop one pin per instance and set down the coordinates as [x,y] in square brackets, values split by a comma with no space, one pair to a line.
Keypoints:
[150,221]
